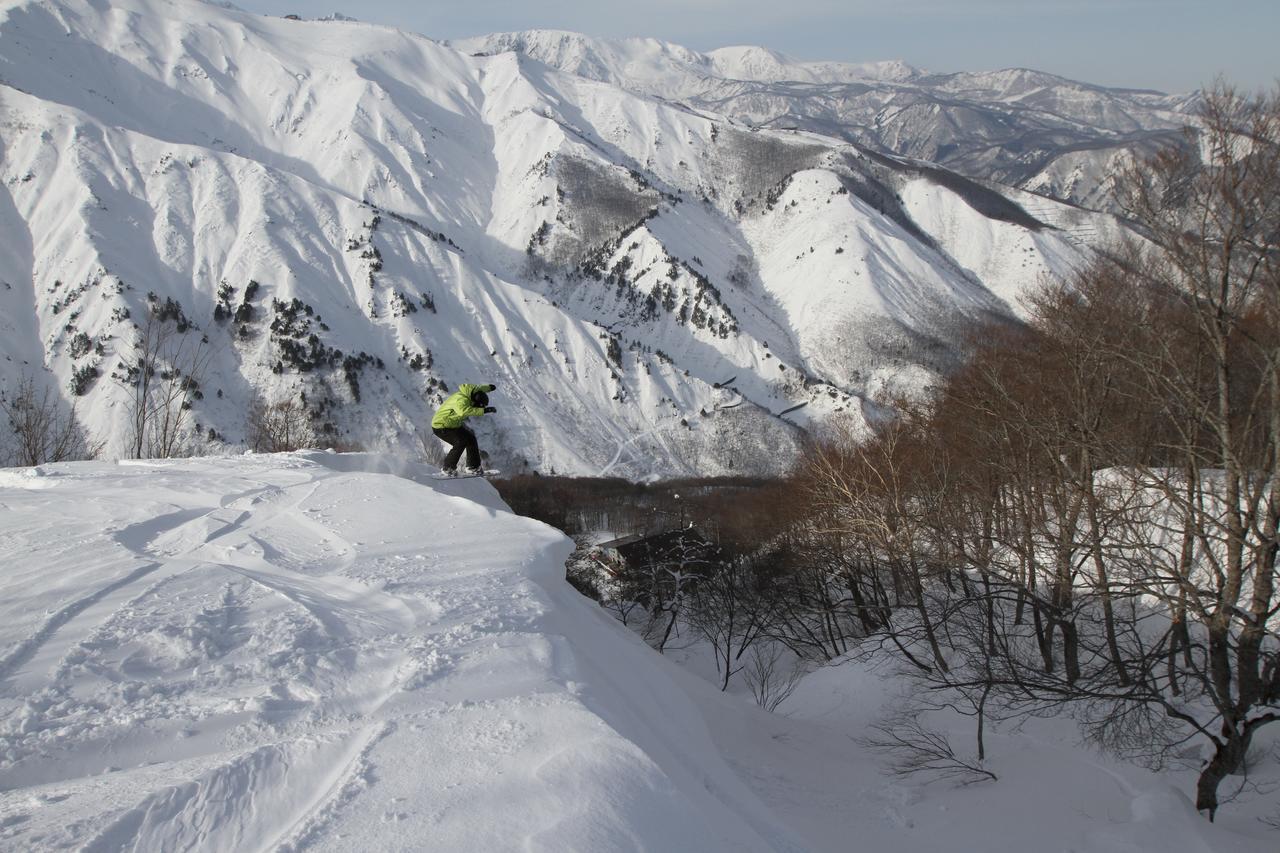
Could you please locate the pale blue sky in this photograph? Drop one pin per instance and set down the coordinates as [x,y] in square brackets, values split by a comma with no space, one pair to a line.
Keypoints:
[1172,45]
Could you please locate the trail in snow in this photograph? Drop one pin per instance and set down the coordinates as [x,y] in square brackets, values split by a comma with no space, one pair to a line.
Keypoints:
[622,448]
[27,649]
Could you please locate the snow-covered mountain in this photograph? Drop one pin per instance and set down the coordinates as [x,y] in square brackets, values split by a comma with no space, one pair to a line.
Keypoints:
[648,64]
[367,217]
[1044,133]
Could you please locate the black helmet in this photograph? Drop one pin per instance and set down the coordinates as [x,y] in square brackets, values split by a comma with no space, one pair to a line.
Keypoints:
[479,399]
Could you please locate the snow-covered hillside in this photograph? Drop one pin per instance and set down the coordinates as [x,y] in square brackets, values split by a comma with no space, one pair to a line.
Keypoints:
[368,218]
[323,651]
[299,652]
[1029,129]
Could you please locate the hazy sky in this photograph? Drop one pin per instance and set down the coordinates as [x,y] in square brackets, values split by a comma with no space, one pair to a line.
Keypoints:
[1172,45]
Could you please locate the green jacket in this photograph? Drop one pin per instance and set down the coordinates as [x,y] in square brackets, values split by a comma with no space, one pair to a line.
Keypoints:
[457,407]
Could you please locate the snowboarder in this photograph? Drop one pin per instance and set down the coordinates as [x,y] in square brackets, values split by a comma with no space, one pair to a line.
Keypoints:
[469,401]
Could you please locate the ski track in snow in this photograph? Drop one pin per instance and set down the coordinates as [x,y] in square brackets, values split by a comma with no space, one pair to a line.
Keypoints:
[341,788]
[623,447]
[28,648]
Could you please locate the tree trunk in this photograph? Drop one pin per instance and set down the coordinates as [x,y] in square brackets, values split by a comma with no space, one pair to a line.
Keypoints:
[1104,583]
[1227,758]
[918,590]
[1044,637]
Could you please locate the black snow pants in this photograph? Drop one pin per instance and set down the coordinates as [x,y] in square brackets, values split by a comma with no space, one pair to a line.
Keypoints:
[459,439]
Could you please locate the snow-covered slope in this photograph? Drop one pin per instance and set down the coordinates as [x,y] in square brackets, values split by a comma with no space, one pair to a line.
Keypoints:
[320,651]
[1025,128]
[328,652]
[367,218]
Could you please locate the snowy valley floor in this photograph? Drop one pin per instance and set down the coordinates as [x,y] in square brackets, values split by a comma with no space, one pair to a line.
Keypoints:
[318,651]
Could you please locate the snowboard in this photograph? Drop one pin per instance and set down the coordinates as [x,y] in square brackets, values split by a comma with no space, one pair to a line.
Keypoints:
[487,472]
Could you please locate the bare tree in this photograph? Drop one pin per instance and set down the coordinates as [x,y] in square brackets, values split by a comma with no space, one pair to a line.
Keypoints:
[162,378]
[770,676]
[824,597]
[1088,511]
[279,427]
[915,749]
[874,496]
[44,430]
[730,611]
[1215,223]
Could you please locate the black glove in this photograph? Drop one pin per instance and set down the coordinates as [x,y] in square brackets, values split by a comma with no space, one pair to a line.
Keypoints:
[493,387]
[489,410]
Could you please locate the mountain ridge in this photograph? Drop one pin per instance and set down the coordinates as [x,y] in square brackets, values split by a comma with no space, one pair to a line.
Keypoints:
[657,289]
[1016,126]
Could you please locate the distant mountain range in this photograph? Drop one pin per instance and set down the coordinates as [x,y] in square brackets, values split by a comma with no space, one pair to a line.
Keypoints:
[668,262]
[1037,131]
